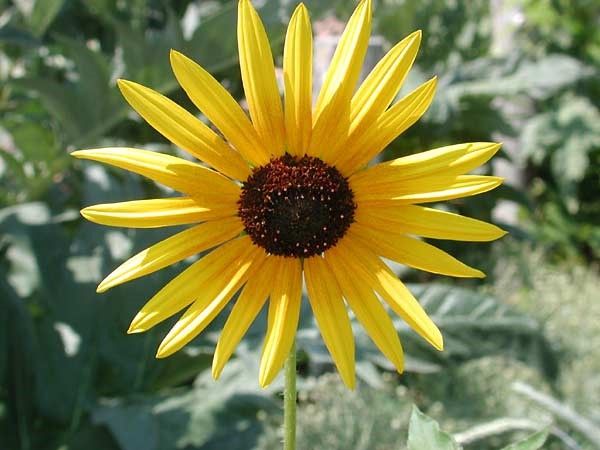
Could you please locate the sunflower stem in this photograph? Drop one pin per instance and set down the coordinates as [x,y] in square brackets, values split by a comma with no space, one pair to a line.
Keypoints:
[289,401]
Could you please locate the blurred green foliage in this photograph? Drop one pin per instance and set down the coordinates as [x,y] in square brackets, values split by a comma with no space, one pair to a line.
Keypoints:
[522,72]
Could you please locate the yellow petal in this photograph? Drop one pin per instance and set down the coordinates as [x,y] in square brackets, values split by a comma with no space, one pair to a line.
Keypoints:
[297,76]
[243,313]
[184,130]
[447,161]
[427,222]
[424,190]
[220,107]
[156,213]
[383,83]
[208,305]
[258,77]
[284,311]
[383,280]
[332,111]
[365,144]
[173,250]
[366,306]
[413,252]
[206,277]
[330,313]
[182,175]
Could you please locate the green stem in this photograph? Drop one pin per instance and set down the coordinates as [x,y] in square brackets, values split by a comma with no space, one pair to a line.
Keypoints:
[289,401]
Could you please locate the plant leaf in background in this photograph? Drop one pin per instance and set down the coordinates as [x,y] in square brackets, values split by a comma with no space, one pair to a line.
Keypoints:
[533,442]
[424,433]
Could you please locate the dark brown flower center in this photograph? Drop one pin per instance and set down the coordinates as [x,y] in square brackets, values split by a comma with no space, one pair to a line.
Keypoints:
[296,206]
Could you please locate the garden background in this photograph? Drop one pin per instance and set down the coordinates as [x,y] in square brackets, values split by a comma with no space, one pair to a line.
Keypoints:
[522,345]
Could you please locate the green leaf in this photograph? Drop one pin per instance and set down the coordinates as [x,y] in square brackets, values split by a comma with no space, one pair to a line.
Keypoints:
[43,14]
[533,442]
[476,325]
[424,434]
[562,411]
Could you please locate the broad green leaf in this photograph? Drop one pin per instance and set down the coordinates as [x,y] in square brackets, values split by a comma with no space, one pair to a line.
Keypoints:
[43,14]
[562,411]
[533,442]
[424,434]
[476,325]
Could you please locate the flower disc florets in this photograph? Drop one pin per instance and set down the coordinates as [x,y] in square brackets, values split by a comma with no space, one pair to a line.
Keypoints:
[296,206]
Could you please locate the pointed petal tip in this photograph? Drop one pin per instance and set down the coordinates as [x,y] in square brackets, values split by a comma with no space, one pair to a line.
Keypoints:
[175,55]
[135,330]
[415,37]
[85,213]
[136,325]
[102,288]
[164,350]
[216,371]
[263,382]
[350,383]
[301,10]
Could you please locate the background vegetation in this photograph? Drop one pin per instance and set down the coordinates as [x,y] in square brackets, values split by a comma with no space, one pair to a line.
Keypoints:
[523,345]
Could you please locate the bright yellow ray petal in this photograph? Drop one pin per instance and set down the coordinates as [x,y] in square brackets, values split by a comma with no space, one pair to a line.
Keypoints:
[243,313]
[156,213]
[365,144]
[433,189]
[374,272]
[383,83]
[219,106]
[184,130]
[182,175]
[206,277]
[366,306]
[208,305]
[258,77]
[332,112]
[284,311]
[330,313]
[173,250]
[413,252]
[447,161]
[297,76]
[428,222]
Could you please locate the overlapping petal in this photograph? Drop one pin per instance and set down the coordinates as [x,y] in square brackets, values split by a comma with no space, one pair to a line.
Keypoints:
[449,161]
[246,308]
[366,306]
[428,222]
[208,304]
[182,175]
[413,252]
[366,143]
[332,110]
[297,77]
[157,213]
[174,249]
[219,106]
[425,190]
[284,312]
[327,304]
[258,77]
[204,279]
[184,130]
[373,272]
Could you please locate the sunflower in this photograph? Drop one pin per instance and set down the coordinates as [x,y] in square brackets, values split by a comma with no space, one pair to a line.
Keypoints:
[286,195]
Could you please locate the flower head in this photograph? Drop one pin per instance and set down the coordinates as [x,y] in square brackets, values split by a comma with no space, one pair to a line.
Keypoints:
[286,193]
